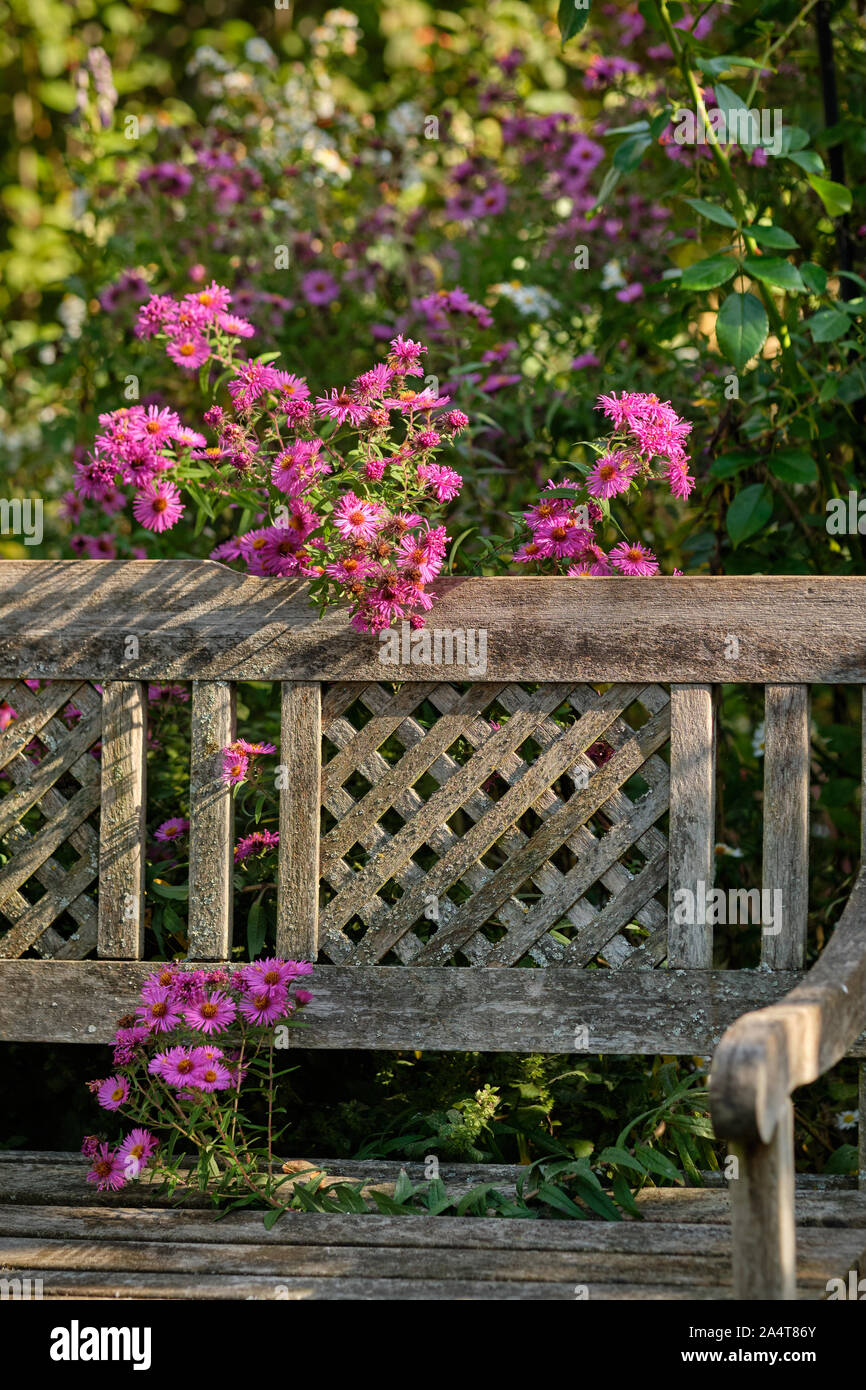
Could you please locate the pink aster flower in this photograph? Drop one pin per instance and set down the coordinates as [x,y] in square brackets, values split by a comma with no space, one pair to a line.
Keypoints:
[235,767]
[171,829]
[444,482]
[341,406]
[680,480]
[212,1076]
[189,350]
[405,356]
[357,519]
[611,475]
[416,557]
[252,381]
[273,971]
[632,558]
[559,537]
[137,1149]
[212,1013]
[351,568]
[265,1005]
[251,750]
[237,327]
[259,842]
[213,300]
[158,506]
[113,1092]
[159,426]
[318,287]
[178,1067]
[160,1011]
[109,1169]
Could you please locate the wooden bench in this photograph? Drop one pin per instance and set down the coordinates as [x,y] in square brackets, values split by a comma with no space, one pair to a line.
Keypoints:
[472,813]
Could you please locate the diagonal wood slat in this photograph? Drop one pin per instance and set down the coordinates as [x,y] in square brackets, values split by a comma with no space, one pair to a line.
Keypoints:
[469,860]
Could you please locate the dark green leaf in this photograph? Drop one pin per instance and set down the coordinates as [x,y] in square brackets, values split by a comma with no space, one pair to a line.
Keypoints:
[776,272]
[712,212]
[658,1163]
[631,152]
[808,160]
[257,929]
[793,466]
[622,1158]
[741,328]
[572,17]
[814,277]
[828,325]
[749,513]
[709,273]
[774,237]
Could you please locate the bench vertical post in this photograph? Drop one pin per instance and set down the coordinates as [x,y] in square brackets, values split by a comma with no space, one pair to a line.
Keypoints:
[211,816]
[300,812]
[122,821]
[786,824]
[692,821]
[762,1216]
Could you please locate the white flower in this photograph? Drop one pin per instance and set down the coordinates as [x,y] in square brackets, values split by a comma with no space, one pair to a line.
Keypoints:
[529,299]
[758,740]
[207,57]
[848,1119]
[72,313]
[611,276]
[405,119]
[729,850]
[259,51]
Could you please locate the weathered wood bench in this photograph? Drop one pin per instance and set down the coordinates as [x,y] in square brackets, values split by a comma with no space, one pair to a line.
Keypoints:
[509,808]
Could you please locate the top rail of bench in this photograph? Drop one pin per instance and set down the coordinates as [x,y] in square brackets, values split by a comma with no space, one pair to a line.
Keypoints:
[198,619]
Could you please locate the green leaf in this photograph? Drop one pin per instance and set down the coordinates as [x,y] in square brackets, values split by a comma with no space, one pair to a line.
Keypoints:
[844,1160]
[631,152]
[272,1217]
[828,325]
[170,890]
[597,1200]
[814,277]
[572,18]
[622,1193]
[608,184]
[776,272]
[708,273]
[741,328]
[257,928]
[556,1198]
[622,1158]
[835,196]
[658,1163]
[775,237]
[715,67]
[712,212]
[749,513]
[794,137]
[728,465]
[808,160]
[793,466]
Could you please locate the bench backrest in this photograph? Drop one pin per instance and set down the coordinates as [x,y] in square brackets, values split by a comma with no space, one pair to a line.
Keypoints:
[446,815]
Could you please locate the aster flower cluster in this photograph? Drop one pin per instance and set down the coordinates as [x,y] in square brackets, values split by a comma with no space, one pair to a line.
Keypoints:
[343,487]
[647,435]
[181,1061]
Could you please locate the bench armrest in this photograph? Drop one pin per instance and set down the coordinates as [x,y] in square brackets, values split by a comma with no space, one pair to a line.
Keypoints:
[767,1054]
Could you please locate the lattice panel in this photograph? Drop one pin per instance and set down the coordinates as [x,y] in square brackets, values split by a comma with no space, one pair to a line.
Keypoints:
[494,825]
[49,816]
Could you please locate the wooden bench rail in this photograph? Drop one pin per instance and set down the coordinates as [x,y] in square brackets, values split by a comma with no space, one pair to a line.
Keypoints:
[768,1053]
[199,620]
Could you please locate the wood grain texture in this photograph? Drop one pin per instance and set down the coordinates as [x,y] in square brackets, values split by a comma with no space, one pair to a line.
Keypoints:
[211,828]
[786,825]
[122,820]
[300,814]
[439,1008]
[198,619]
[767,1054]
[692,821]
[762,1216]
